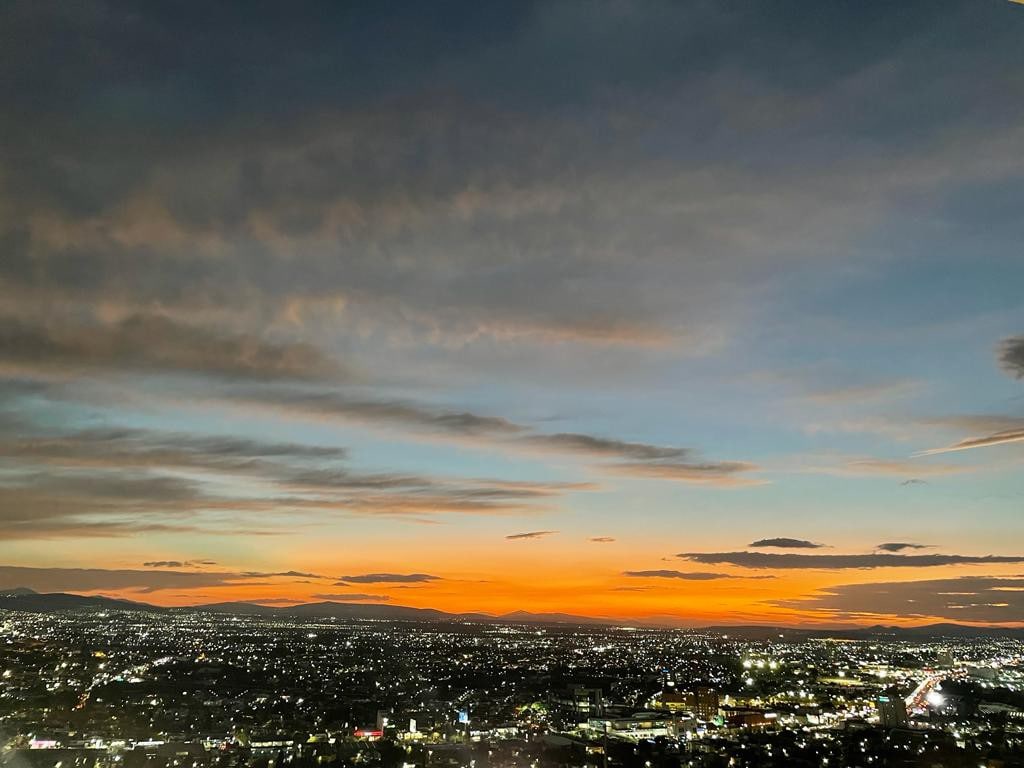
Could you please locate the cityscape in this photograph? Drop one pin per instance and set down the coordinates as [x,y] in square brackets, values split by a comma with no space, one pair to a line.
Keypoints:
[110,687]
[511,384]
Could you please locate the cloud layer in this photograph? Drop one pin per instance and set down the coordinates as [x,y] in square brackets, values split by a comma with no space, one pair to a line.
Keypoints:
[153,343]
[968,599]
[838,562]
[121,482]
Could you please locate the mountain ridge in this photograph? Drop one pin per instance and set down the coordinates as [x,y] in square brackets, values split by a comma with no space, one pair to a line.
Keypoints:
[24,599]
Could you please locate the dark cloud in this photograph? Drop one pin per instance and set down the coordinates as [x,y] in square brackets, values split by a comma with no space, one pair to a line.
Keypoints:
[784,543]
[388,578]
[601,539]
[970,598]
[530,535]
[140,447]
[112,487]
[684,575]
[835,562]
[103,481]
[900,546]
[178,563]
[115,504]
[200,178]
[1011,356]
[153,343]
[638,459]
[291,574]
[107,503]
[280,462]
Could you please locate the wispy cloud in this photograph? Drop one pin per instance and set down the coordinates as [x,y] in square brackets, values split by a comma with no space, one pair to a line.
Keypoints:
[860,393]
[984,430]
[388,578]
[178,563]
[290,574]
[682,575]
[589,445]
[612,455]
[392,412]
[530,535]
[999,438]
[106,482]
[870,466]
[721,474]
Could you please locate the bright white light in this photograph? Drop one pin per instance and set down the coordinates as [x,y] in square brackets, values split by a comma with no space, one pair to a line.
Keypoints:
[935,699]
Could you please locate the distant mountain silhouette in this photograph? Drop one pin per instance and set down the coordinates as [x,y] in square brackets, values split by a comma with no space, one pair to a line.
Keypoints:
[384,611]
[24,599]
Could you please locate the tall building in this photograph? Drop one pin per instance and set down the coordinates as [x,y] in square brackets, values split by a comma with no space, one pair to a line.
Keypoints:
[579,703]
[705,703]
[892,711]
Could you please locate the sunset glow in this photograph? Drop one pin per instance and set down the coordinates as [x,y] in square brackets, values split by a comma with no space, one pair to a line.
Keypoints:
[678,314]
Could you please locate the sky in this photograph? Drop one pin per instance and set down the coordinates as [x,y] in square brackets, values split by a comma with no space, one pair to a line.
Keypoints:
[691,313]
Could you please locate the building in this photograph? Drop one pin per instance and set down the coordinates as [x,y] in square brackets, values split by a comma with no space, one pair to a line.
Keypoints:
[892,711]
[636,727]
[705,703]
[702,701]
[580,703]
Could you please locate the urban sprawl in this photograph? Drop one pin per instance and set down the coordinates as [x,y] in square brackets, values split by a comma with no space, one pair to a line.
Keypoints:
[128,689]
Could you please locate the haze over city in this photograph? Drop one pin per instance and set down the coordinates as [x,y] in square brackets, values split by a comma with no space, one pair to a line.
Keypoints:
[679,314]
